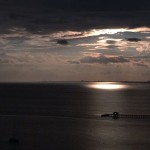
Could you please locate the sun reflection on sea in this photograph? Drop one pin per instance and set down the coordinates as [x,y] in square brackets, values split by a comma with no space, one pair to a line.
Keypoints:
[107,85]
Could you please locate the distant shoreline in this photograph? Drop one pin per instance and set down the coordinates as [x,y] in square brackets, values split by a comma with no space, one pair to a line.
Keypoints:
[82,81]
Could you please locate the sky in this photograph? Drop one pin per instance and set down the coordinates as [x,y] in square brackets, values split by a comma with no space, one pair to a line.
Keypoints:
[74,40]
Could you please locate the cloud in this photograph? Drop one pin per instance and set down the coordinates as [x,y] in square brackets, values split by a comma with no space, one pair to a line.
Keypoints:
[110,41]
[144,46]
[141,64]
[140,60]
[78,5]
[62,42]
[110,52]
[73,62]
[143,56]
[133,39]
[28,58]
[101,59]
[39,17]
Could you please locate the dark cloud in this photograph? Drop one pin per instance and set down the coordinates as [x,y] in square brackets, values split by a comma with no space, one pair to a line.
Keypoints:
[140,60]
[49,16]
[62,42]
[112,47]
[16,16]
[143,56]
[73,62]
[100,4]
[110,51]
[103,59]
[17,38]
[133,39]
[82,5]
[110,41]
[141,64]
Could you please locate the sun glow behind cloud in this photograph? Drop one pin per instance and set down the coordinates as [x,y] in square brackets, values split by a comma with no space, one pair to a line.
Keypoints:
[96,32]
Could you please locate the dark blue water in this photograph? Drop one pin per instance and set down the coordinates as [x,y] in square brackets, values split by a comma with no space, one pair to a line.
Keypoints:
[43,116]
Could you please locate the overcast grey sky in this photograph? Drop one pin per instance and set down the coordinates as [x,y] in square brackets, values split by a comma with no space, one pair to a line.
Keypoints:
[65,40]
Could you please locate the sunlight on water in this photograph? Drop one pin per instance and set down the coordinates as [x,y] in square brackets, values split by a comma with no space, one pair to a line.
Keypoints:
[107,85]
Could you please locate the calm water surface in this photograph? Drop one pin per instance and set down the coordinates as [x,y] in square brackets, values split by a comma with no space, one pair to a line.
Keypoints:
[67,116]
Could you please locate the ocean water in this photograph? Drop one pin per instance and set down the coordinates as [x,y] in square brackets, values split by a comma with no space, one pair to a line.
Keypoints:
[67,115]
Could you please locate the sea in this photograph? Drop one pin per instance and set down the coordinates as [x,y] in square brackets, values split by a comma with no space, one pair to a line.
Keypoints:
[68,115]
